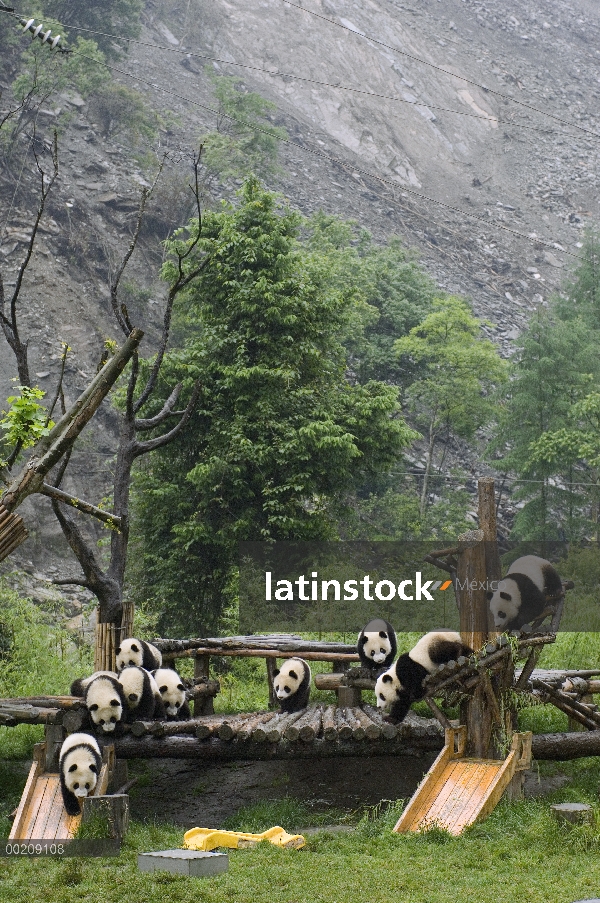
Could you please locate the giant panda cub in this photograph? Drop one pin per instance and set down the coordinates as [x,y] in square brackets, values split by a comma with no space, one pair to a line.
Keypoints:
[142,697]
[138,653]
[172,692]
[104,698]
[521,595]
[78,687]
[79,766]
[292,685]
[402,684]
[376,645]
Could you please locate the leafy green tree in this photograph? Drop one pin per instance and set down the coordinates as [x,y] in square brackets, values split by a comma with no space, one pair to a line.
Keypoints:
[552,371]
[580,297]
[245,139]
[455,371]
[390,293]
[280,436]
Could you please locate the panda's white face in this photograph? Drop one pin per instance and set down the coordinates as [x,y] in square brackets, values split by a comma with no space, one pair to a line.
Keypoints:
[129,653]
[103,704]
[505,603]
[288,678]
[171,689]
[377,646]
[387,689]
[80,772]
[132,681]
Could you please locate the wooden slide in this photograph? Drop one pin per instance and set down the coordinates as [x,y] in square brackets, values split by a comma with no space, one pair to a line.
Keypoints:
[41,814]
[458,791]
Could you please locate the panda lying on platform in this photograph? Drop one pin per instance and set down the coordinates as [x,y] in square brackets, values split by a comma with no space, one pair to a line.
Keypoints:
[521,595]
[402,684]
[292,685]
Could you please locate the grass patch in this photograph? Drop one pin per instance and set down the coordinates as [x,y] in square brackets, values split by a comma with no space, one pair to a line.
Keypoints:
[290,813]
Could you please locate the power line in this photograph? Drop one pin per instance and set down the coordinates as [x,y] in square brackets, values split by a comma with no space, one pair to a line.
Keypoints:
[469,81]
[339,162]
[312,81]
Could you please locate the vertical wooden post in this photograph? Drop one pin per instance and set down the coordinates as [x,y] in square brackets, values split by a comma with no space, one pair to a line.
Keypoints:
[202,669]
[473,608]
[271,668]
[55,735]
[104,648]
[487,523]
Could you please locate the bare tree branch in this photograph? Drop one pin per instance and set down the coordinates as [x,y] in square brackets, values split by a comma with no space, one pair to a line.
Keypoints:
[59,388]
[105,516]
[71,582]
[142,448]
[10,324]
[166,411]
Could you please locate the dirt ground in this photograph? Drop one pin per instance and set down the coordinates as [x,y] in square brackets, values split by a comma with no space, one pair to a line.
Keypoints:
[194,794]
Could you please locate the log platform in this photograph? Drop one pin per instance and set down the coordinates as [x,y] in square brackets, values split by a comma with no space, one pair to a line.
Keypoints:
[458,791]
[41,814]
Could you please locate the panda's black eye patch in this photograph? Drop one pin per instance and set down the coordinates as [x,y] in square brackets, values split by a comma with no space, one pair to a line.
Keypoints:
[93,707]
[113,720]
[294,675]
[163,689]
[506,596]
[381,696]
[132,696]
[93,769]
[76,786]
[502,614]
[372,653]
[72,768]
[287,689]
[113,702]
[387,679]
[177,704]
[134,648]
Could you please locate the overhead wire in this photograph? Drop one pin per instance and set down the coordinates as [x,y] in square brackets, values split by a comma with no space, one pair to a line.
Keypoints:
[405,190]
[338,161]
[424,62]
[288,75]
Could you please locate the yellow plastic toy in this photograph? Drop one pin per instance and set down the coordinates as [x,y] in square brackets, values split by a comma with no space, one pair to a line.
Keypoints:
[208,838]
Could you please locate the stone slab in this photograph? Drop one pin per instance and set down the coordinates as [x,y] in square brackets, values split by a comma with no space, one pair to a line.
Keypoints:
[192,863]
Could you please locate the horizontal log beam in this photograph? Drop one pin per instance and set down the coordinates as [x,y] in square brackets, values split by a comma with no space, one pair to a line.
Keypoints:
[324,656]
[130,747]
[566,746]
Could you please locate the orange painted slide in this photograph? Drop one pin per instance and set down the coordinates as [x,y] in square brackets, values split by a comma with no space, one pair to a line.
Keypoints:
[458,791]
[41,814]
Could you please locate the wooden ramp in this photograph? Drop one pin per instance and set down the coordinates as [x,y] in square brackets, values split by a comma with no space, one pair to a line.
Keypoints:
[41,814]
[458,791]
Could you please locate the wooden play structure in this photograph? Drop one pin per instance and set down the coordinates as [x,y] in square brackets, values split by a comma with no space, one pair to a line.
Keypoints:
[480,760]
[41,814]
[458,791]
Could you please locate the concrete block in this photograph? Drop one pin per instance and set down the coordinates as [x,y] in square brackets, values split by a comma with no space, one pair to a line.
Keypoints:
[192,863]
[574,813]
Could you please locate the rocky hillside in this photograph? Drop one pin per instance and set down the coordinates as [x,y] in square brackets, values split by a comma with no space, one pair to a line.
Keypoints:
[490,110]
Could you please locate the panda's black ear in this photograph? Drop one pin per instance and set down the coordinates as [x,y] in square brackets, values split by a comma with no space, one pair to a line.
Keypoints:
[276,672]
[180,687]
[93,769]
[383,634]
[387,679]
[294,675]
[489,594]
[362,640]
[118,651]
